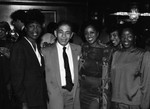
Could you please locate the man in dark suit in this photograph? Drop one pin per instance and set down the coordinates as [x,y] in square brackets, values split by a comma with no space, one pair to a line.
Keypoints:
[27,66]
[61,95]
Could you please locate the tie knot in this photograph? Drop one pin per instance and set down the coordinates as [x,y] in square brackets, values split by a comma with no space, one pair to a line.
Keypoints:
[64,48]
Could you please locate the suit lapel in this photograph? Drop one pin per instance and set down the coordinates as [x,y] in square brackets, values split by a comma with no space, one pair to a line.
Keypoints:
[75,63]
[55,67]
[34,57]
[56,64]
[43,64]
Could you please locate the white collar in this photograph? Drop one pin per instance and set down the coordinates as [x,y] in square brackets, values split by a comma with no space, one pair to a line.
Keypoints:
[60,46]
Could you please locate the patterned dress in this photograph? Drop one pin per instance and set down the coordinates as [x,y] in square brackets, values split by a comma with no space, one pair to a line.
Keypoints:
[94,76]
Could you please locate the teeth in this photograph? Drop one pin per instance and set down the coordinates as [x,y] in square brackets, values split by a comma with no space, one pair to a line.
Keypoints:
[90,38]
[35,34]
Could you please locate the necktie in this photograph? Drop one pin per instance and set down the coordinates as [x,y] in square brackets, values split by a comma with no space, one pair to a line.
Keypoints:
[69,83]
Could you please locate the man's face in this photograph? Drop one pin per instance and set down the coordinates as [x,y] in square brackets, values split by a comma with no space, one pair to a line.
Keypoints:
[16,24]
[33,30]
[63,34]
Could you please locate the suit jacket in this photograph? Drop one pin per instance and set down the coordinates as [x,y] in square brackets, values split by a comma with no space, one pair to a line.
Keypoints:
[27,76]
[53,79]
[21,33]
[4,80]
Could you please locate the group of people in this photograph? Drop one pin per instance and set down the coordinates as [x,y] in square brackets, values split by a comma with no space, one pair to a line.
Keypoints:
[65,75]
[34,81]
[114,75]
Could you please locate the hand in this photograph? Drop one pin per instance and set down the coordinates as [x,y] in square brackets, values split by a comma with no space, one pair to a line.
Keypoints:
[24,106]
[5,51]
[52,39]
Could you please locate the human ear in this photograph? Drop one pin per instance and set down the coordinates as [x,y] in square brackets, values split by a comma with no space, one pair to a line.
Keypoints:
[55,33]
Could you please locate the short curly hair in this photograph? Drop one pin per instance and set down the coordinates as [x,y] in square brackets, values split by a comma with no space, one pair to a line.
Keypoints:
[34,15]
[19,15]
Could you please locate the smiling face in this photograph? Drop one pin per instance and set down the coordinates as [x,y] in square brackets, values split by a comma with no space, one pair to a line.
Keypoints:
[33,31]
[91,34]
[127,38]
[114,37]
[63,34]
[2,33]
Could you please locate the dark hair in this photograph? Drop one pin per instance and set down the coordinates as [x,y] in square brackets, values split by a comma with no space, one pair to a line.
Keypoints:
[51,27]
[130,27]
[95,24]
[113,27]
[5,25]
[34,15]
[18,15]
[64,22]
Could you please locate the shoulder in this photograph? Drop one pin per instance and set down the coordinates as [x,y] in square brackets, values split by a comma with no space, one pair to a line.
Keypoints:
[85,47]
[48,48]
[147,54]
[47,35]
[146,58]
[20,44]
[139,51]
[75,46]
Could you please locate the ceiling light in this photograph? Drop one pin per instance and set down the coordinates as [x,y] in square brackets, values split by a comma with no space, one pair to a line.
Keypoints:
[133,14]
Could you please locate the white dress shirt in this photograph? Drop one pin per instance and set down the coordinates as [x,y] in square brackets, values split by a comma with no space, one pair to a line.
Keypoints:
[61,62]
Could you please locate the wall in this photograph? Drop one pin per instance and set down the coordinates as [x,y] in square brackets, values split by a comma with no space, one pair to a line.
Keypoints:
[58,10]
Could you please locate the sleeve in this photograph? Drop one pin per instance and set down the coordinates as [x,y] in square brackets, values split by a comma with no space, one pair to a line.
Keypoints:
[6,70]
[145,81]
[17,65]
[77,100]
[80,57]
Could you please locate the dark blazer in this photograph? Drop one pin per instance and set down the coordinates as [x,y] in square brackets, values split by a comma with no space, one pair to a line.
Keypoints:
[4,82]
[21,33]
[27,76]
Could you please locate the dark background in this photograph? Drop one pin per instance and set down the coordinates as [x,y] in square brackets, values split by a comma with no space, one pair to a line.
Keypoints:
[79,11]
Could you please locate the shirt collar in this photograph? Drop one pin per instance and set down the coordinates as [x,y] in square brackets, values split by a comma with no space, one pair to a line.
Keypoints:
[60,46]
